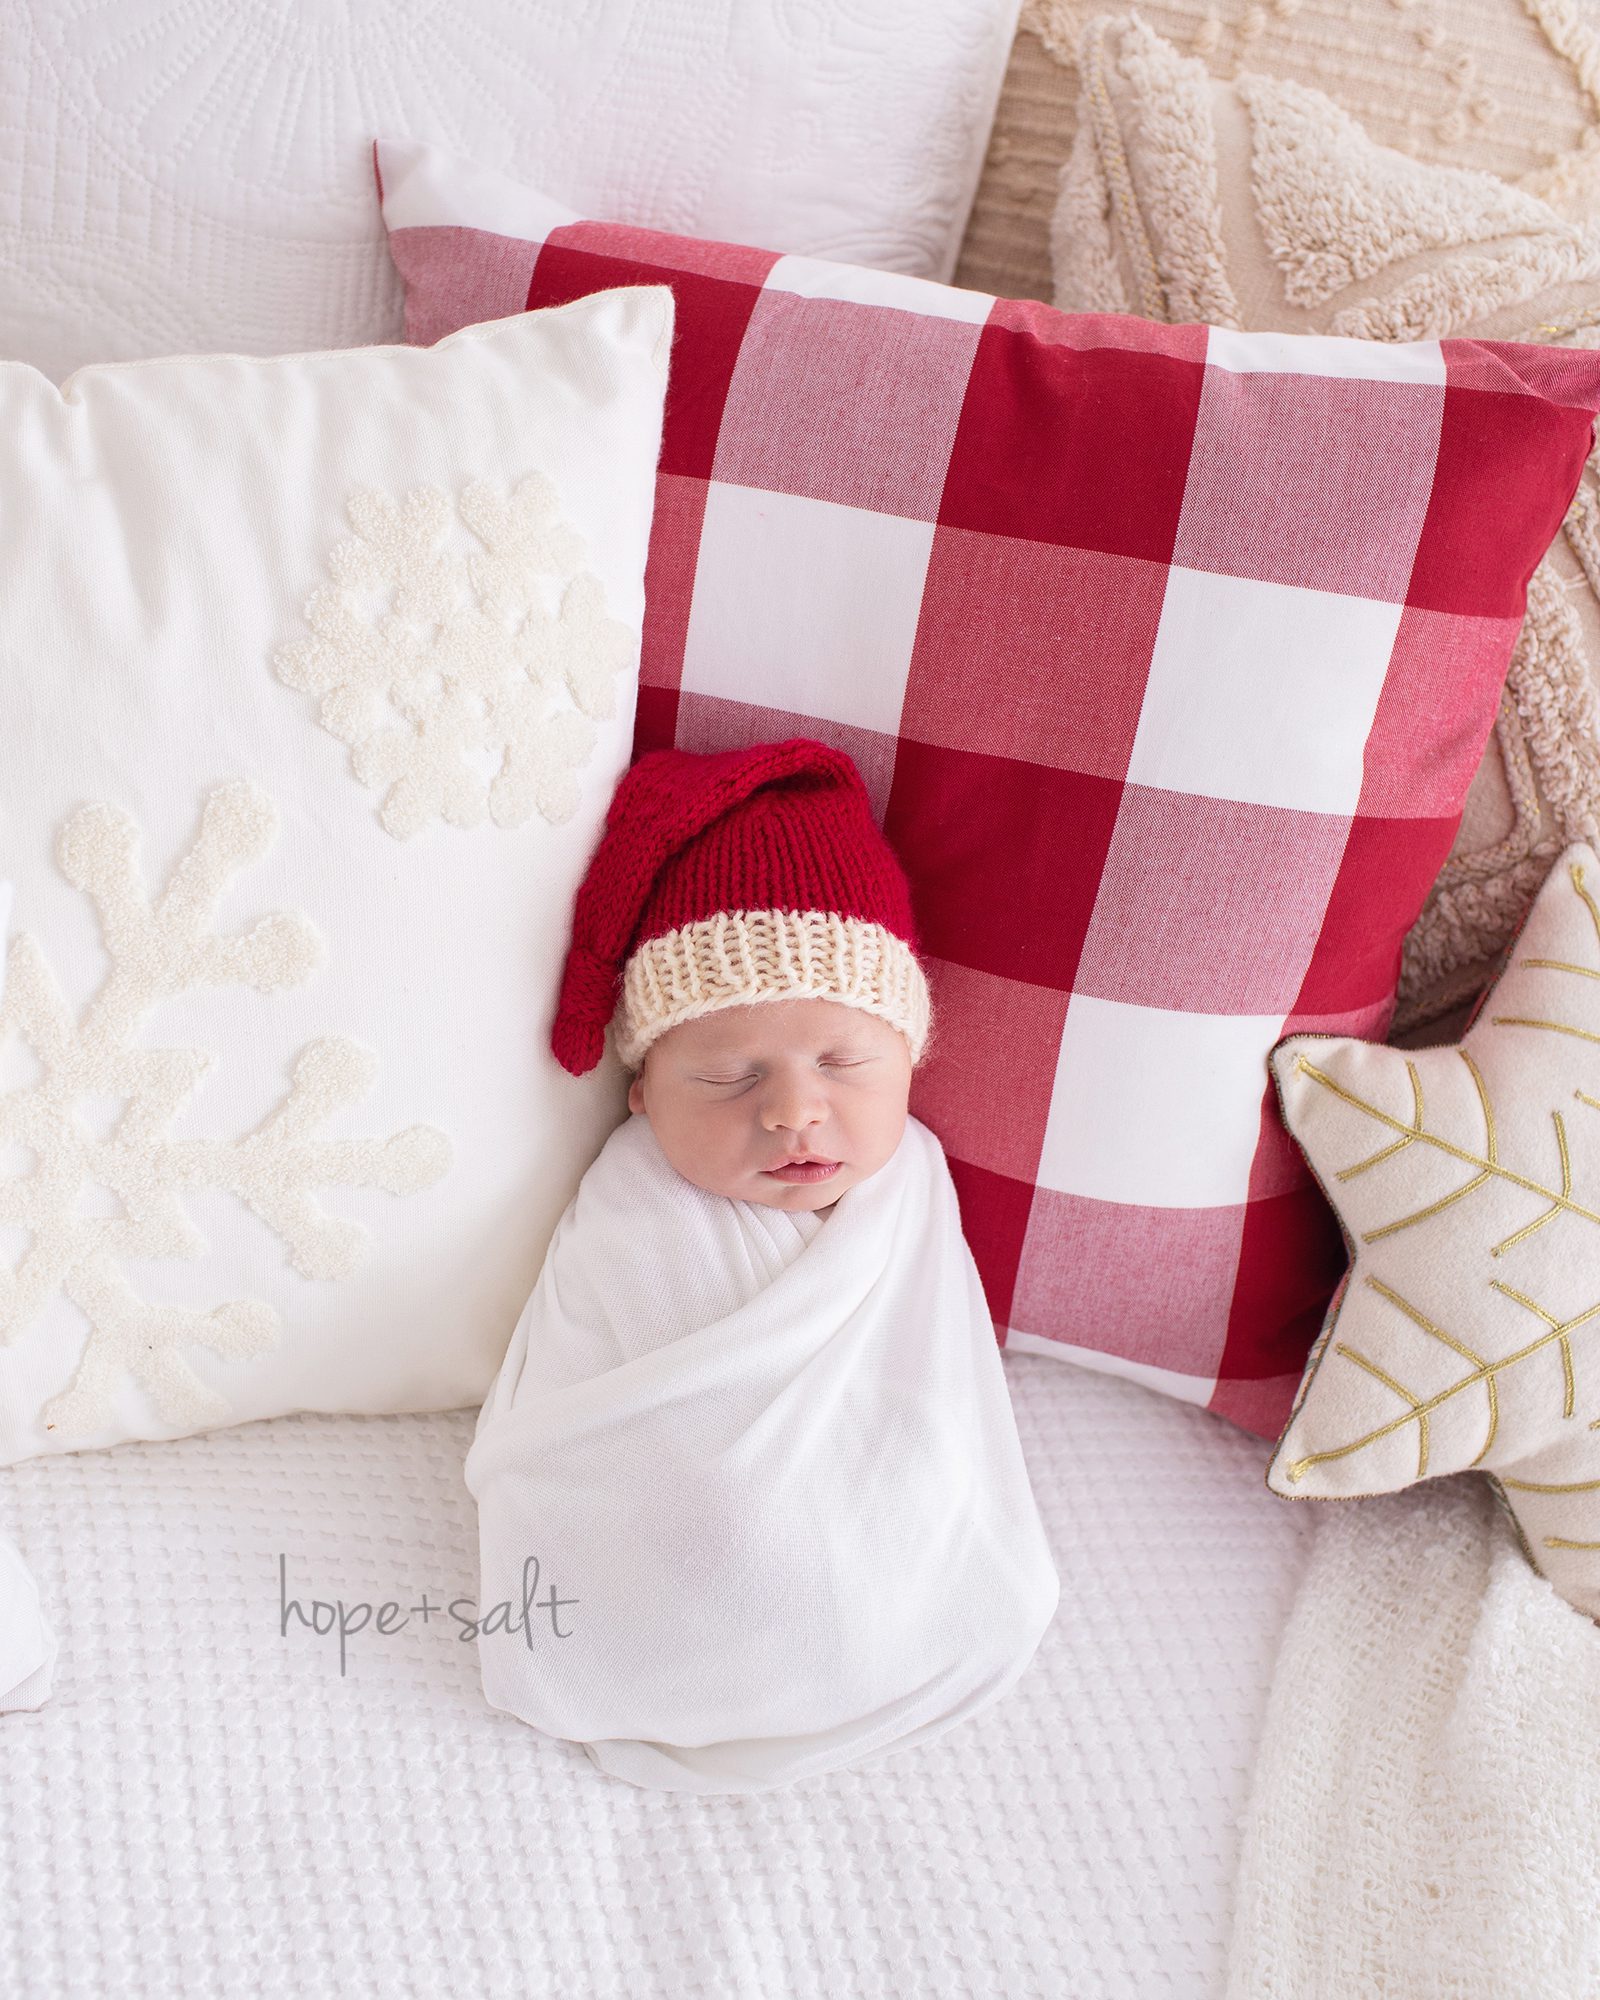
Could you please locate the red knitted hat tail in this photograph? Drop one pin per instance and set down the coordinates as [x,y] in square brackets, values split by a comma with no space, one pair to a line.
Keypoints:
[662,802]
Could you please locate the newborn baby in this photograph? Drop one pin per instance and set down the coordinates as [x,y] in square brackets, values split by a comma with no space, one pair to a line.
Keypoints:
[737,1095]
[752,1505]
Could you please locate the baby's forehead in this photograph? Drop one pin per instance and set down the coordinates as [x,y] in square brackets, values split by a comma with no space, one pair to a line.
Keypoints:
[803,1022]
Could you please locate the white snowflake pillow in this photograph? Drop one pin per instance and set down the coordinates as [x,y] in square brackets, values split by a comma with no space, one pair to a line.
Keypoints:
[317,674]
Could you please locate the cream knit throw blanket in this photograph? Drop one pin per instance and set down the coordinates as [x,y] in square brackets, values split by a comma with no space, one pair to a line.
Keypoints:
[27,1644]
[767,1464]
[1425,1818]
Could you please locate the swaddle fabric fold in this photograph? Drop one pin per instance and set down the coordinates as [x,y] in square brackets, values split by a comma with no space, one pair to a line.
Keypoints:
[752,1504]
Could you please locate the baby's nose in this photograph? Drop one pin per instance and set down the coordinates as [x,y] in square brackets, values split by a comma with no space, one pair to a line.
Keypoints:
[792,1106]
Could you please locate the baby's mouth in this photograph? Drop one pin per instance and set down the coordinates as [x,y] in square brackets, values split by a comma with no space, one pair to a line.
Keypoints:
[806,1168]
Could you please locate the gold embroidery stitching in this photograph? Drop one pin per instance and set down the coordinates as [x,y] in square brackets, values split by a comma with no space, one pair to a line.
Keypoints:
[1560,1486]
[1561,965]
[1519,1236]
[1404,1393]
[1445,1146]
[1549,1320]
[1389,1151]
[1489,1370]
[1457,1346]
[1555,1027]
[1575,872]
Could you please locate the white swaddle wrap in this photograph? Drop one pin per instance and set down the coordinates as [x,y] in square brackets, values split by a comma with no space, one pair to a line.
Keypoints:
[766,1462]
[27,1644]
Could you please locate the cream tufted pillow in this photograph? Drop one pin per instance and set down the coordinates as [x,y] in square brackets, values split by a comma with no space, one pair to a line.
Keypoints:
[1511,86]
[1257,202]
[1467,1180]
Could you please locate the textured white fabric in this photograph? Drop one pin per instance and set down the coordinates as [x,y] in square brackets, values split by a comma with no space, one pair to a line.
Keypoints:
[317,675]
[28,1642]
[767,1462]
[1425,1814]
[205,1808]
[177,179]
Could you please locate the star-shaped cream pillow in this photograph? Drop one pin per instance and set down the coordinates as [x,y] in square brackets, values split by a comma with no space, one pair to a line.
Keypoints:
[1467,1181]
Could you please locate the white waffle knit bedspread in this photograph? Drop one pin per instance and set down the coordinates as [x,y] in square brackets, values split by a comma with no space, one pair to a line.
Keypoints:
[206,1807]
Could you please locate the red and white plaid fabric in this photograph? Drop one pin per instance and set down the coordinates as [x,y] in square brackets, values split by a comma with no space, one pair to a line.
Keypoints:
[1168,655]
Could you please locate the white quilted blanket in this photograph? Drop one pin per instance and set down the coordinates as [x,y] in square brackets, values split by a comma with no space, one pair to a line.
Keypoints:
[194,178]
[206,1807]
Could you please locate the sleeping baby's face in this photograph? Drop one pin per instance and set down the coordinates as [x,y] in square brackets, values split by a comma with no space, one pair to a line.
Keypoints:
[735,1093]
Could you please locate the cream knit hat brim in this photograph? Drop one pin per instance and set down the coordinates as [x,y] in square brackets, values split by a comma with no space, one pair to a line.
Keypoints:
[739,958]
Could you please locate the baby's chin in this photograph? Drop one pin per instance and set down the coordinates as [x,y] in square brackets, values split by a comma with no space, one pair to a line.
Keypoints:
[771,1193]
[796,1198]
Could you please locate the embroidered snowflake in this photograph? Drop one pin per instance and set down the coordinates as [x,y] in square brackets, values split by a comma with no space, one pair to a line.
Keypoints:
[158,948]
[463,680]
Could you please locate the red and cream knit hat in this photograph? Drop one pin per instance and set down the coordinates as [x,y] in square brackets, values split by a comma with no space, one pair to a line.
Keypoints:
[730,878]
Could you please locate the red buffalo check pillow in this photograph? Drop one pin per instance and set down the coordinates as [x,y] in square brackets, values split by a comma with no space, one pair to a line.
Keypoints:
[1168,655]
